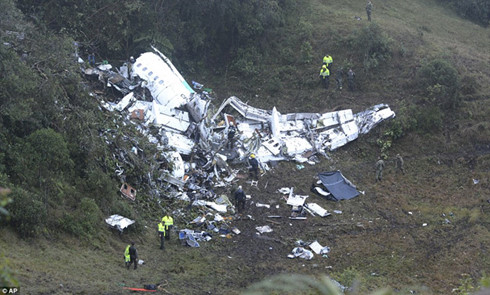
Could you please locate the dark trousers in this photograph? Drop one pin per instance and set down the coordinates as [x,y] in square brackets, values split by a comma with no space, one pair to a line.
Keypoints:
[162,240]
[133,259]
[350,83]
[339,83]
[254,172]
[167,232]
[240,205]
[326,82]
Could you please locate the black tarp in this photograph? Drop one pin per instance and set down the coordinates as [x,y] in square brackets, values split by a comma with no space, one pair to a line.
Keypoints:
[338,185]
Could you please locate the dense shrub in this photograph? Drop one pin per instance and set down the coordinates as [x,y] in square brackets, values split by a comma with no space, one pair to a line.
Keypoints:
[372,44]
[85,221]
[440,81]
[28,213]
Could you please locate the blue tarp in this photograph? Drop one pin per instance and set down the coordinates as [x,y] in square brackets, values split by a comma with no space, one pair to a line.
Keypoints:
[338,185]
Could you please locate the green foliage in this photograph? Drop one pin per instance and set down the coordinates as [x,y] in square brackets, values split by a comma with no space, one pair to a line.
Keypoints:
[306,52]
[477,11]
[7,277]
[28,212]
[85,221]
[247,62]
[46,154]
[440,81]
[372,44]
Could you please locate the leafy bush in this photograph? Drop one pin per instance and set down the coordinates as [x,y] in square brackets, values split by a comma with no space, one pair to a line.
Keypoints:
[440,81]
[373,44]
[85,221]
[28,213]
[247,61]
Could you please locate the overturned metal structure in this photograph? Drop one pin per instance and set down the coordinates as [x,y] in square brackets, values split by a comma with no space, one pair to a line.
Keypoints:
[190,126]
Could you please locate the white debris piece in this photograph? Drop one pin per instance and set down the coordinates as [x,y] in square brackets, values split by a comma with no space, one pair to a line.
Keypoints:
[302,253]
[263,205]
[320,191]
[220,208]
[319,249]
[317,209]
[296,200]
[119,221]
[264,229]
[284,190]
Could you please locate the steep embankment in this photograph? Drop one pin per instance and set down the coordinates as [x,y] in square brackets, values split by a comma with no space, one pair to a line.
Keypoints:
[380,238]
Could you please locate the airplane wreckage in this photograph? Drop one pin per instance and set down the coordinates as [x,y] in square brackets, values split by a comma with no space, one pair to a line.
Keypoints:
[191,128]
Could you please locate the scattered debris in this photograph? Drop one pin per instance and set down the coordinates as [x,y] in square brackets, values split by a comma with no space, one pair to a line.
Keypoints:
[301,253]
[319,249]
[191,136]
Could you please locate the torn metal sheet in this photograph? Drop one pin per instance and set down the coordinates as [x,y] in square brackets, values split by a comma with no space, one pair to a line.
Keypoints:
[371,117]
[119,222]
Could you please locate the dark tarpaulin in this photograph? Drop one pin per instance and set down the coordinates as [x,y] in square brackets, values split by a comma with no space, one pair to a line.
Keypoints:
[338,185]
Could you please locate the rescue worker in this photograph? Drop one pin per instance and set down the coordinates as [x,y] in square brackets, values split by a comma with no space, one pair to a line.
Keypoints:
[168,221]
[369,8]
[240,199]
[231,136]
[130,67]
[338,78]
[91,59]
[254,169]
[380,165]
[328,61]
[127,258]
[325,76]
[133,255]
[399,163]
[350,79]
[161,234]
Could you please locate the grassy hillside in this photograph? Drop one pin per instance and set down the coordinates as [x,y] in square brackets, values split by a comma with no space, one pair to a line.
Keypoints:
[379,239]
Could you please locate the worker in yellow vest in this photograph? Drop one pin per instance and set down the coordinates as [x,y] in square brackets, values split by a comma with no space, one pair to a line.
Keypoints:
[168,221]
[328,61]
[131,256]
[127,258]
[325,76]
[161,234]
